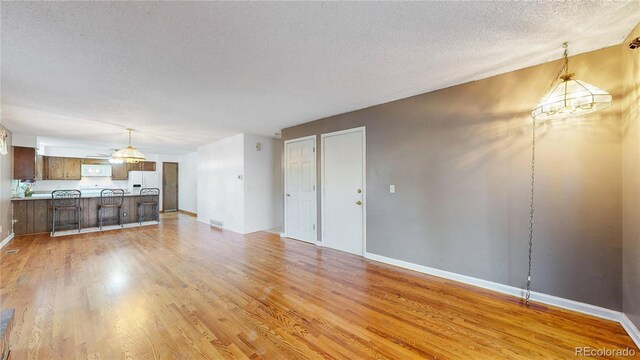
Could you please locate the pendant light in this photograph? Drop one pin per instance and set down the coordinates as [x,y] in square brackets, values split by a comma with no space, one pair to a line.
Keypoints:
[127,154]
[570,97]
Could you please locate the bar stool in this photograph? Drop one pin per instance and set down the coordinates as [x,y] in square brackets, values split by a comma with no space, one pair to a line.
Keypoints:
[110,199]
[66,200]
[149,197]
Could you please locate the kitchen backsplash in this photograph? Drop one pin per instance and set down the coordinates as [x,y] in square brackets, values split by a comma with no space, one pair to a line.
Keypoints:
[144,178]
[84,183]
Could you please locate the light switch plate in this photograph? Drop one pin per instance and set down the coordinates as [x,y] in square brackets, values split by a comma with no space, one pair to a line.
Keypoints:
[392,189]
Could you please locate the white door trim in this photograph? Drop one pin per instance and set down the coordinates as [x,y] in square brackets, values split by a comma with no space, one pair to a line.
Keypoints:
[315,183]
[361,129]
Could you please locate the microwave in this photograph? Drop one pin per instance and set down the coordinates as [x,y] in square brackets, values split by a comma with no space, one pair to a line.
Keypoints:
[96,170]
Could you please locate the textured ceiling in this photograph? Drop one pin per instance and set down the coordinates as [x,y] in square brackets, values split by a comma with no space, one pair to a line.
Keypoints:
[187,73]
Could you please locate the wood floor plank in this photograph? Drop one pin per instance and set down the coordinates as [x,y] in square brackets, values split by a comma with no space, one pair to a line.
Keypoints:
[181,290]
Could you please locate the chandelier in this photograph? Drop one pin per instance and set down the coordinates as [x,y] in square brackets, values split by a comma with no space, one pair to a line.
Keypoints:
[129,154]
[570,97]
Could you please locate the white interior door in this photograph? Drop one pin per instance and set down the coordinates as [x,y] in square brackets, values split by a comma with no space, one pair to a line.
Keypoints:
[300,189]
[343,182]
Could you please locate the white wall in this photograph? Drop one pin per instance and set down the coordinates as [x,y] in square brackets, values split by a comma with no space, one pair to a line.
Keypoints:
[263,183]
[72,151]
[6,173]
[220,184]
[24,140]
[188,182]
[238,185]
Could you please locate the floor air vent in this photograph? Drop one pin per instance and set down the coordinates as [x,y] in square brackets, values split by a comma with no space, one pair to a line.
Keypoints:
[12,251]
[216,224]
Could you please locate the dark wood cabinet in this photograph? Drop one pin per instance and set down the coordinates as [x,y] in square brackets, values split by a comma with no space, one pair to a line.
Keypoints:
[134,167]
[148,166]
[59,168]
[32,216]
[24,163]
[39,167]
[142,166]
[72,168]
[53,168]
[91,161]
[119,172]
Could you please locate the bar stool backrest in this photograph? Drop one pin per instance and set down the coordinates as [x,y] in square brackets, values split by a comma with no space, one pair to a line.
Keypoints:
[149,195]
[66,198]
[111,197]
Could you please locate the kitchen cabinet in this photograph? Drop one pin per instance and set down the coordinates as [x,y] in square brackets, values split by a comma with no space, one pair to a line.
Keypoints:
[39,167]
[95,161]
[119,172]
[134,167]
[32,216]
[142,166]
[53,168]
[59,168]
[24,163]
[148,166]
[72,168]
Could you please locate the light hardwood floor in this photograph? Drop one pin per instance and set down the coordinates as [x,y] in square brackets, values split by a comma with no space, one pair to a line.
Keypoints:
[183,291]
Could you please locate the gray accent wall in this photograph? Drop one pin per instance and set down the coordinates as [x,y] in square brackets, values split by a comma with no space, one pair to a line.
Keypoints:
[460,159]
[6,172]
[631,181]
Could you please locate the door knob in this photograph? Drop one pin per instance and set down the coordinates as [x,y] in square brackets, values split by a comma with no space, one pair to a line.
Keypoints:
[359,191]
[359,202]
[288,195]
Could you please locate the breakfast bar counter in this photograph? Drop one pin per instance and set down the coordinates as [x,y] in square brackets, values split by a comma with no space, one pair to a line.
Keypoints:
[33,215]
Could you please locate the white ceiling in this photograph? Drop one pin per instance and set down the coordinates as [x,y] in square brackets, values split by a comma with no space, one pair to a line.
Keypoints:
[187,73]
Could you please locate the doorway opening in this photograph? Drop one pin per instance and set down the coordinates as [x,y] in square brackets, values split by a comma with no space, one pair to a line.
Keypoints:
[169,186]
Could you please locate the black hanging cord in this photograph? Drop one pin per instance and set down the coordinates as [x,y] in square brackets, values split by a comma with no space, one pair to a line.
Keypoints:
[531,207]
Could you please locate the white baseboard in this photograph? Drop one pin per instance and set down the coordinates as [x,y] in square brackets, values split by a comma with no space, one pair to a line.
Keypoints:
[631,329]
[6,240]
[556,301]
[577,306]
[505,289]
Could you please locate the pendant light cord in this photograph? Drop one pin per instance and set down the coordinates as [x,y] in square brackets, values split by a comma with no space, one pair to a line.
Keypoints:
[564,72]
[531,207]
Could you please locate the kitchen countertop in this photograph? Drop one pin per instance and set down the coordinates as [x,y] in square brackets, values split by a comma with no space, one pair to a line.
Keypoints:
[83,196]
